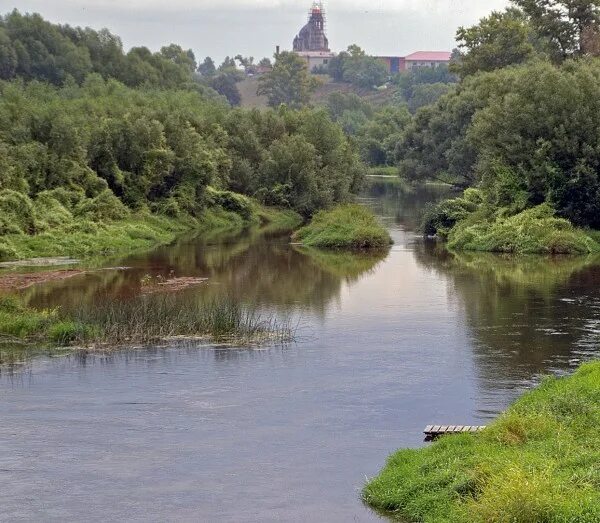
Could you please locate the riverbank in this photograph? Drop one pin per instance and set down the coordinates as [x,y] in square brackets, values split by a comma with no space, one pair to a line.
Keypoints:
[469,223]
[537,462]
[351,227]
[142,231]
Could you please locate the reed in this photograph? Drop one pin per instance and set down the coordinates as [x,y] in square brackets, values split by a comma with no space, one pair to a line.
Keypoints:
[147,319]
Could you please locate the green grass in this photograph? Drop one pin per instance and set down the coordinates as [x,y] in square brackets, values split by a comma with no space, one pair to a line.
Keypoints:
[137,232]
[351,226]
[384,172]
[538,463]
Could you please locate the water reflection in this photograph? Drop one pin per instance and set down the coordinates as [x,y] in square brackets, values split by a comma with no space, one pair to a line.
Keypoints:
[261,271]
[527,316]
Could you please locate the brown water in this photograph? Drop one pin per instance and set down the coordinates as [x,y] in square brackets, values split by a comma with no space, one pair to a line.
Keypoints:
[386,345]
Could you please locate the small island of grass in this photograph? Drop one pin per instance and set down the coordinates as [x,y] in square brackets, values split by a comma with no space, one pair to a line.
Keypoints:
[537,462]
[350,227]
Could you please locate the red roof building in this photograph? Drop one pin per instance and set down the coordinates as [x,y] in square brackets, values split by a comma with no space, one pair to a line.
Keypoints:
[427,59]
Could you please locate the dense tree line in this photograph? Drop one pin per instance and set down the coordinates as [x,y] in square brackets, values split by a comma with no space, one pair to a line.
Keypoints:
[103,149]
[33,49]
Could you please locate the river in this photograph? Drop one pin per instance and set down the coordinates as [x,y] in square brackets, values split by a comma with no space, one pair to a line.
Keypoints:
[385,346]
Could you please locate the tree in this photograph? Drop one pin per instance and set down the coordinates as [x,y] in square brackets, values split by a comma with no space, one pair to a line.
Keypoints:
[288,83]
[427,94]
[563,23]
[247,62]
[226,84]
[265,62]
[501,39]
[228,64]
[207,68]
[355,67]
[177,55]
[336,66]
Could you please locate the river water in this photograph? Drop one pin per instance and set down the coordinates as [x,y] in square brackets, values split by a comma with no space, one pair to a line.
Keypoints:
[385,346]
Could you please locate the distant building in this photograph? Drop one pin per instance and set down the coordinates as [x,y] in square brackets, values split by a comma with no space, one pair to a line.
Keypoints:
[312,43]
[396,64]
[427,59]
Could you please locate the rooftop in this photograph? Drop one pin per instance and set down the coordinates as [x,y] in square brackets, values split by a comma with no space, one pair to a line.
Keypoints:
[430,56]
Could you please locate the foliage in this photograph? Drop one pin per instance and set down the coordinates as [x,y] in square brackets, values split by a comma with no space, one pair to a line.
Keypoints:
[440,219]
[207,68]
[537,462]
[533,231]
[375,131]
[427,94]
[355,67]
[289,82]
[501,39]
[415,77]
[34,49]
[535,120]
[225,83]
[569,26]
[344,227]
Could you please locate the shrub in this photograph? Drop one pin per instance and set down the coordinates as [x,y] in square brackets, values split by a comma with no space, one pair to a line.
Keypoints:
[348,226]
[16,213]
[231,202]
[104,207]
[50,212]
[438,220]
[534,231]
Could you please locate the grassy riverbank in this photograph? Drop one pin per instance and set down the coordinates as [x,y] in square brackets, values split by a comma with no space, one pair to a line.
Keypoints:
[539,462]
[469,223]
[142,320]
[350,226]
[83,238]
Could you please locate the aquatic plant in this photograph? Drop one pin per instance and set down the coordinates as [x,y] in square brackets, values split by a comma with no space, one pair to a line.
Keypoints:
[142,320]
[537,462]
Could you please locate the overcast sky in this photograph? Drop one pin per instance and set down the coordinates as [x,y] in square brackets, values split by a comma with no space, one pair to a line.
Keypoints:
[254,27]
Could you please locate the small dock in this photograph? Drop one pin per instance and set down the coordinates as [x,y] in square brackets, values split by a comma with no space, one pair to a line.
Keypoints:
[435,431]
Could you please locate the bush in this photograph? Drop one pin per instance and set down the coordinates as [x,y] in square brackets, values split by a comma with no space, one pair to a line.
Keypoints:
[104,207]
[231,202]
[50,212]
[345,227]
[534,231]
[16,213]
[439,219]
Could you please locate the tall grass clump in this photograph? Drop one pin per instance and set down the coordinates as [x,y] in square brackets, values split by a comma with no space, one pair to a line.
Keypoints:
[538,463]
[347,226]
[18,322]
[146,319]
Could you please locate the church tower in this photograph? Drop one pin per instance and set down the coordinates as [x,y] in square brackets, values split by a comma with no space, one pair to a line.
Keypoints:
[311,37]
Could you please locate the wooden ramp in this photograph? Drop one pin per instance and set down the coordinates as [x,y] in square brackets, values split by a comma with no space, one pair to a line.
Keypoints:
[435,431]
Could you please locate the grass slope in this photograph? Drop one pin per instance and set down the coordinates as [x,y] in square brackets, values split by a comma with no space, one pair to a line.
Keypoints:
[538,463]
[348,226]
[250,99]
[137,232]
